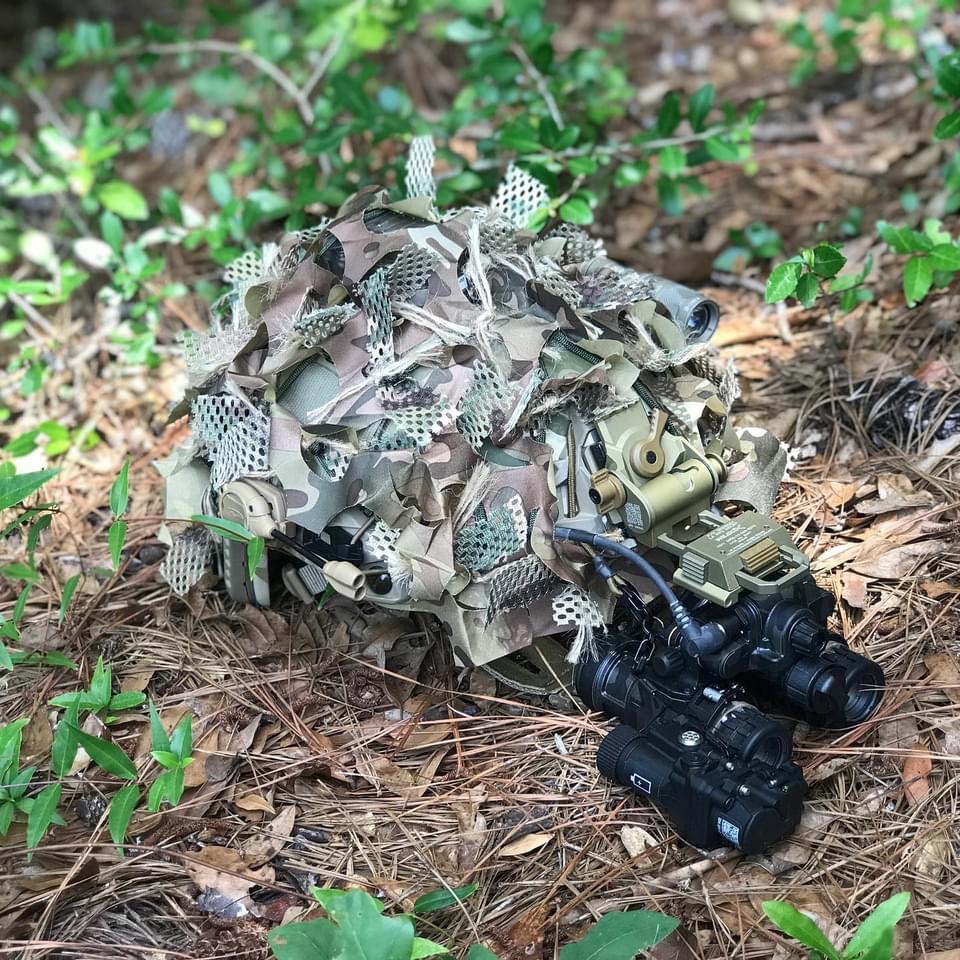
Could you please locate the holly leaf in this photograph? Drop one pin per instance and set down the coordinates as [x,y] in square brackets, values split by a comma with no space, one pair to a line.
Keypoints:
[621,936]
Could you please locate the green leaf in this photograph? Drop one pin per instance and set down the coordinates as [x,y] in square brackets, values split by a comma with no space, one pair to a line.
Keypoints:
[158,735]
[168,785]
[668,196]
[621,936]
[14,490]
[917,277]
[629,174]
[166,758]
[63,750]
[101,685]
[699,106]
[219,186]
[828,261]
[122,805]
[310,940]
[116,536]
[255,548]
[224,528]
[108,756]
[126,701]
[181,743]
[669,115]
[722,150]
[878,924]
[948,126]
[426,948]
[782,281]
[439,899]
[807,290]
[576,210]
[41,814]
[111,229]
[672,160]
[365,932]
[463,30]
[124,200]
[119,491]
[903,239]
[794,924]
[945,256]
[11,736]
[478,952]
[948,73]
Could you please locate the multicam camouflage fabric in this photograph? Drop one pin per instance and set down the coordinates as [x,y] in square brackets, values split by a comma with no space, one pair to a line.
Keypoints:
[411,393]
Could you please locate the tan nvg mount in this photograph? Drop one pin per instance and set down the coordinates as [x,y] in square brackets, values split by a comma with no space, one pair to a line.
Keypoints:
[661,489]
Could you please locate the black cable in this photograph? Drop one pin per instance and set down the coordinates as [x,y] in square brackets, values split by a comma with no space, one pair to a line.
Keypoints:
[700,639]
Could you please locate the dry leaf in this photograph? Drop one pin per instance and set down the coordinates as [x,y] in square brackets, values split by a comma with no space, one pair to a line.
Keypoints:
[225,880]
[401,780]
[136,681]
[524,938]
[895,492]
[207,743]
[894,564]
[37,735]
[916,768]
[271,838]
[933,372]
[935,589]
[254,801]
[220,764]
[855,589]
[945,673]
[636,840]
[532,841]
[933,854]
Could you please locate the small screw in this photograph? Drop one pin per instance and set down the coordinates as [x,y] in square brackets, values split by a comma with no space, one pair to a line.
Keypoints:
[690,738]
[729,765]
[744,791]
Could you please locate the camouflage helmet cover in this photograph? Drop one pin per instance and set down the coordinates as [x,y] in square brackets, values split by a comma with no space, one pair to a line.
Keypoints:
[420,397]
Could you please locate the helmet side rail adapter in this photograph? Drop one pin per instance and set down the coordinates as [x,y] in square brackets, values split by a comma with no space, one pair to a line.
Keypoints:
[448,413]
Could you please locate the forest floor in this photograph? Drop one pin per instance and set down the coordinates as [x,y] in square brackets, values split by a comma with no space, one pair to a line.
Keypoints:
[319,757]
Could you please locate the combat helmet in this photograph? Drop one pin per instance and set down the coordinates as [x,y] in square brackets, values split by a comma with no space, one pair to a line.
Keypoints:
[406,402]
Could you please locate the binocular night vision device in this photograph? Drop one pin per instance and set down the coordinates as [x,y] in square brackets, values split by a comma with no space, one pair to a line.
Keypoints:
[718,766]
